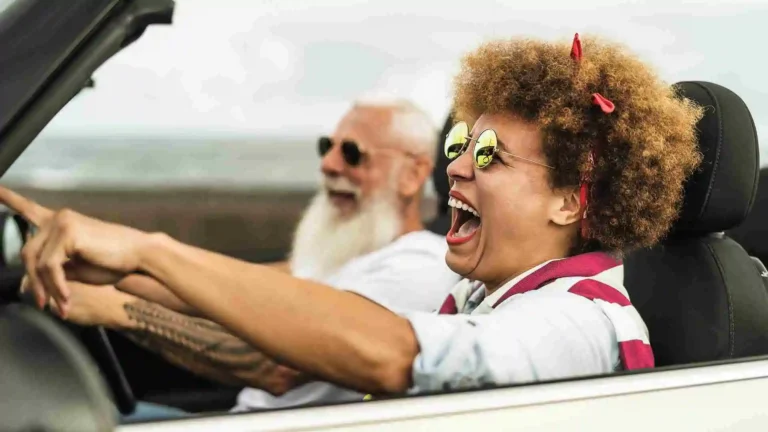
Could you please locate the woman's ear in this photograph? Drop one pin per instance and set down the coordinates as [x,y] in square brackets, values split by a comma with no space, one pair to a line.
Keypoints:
[566,207]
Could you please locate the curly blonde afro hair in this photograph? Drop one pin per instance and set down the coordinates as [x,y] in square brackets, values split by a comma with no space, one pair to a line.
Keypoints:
[644,150]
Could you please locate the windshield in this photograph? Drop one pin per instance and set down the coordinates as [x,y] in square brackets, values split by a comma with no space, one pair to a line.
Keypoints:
[4,4]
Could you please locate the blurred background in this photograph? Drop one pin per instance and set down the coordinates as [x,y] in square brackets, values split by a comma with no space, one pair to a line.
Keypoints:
[207,129]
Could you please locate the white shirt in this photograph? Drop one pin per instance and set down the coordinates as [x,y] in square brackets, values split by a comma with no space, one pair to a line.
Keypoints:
[544,334]
[410,274]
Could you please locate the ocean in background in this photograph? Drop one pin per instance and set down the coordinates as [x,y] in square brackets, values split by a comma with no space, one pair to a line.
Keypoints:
[236,196]
[130,162]
[137,163]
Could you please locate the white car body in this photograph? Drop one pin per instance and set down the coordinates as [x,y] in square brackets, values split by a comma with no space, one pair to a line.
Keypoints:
[721,397]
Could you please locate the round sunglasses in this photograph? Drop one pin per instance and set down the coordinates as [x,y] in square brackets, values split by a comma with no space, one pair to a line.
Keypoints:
[350,151]
[486,146]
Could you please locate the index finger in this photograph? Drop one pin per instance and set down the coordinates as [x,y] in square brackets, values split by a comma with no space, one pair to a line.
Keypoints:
[32,211]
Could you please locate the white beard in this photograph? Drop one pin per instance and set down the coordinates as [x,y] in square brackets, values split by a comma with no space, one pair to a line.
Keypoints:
[324,242]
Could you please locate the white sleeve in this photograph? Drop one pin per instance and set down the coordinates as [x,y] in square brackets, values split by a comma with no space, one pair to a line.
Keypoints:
[412,280]
[533,336]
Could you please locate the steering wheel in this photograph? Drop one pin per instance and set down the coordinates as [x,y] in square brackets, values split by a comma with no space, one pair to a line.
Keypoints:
[13,227]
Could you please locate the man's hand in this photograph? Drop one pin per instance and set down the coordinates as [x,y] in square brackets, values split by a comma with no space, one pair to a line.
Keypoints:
[92,305]
[198,345]
[70,245]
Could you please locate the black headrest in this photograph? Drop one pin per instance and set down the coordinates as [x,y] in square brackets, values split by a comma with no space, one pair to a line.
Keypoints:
[721,192]
[48,381]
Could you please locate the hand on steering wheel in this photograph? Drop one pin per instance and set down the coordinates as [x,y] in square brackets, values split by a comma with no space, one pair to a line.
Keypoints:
[89,305]
[69,245]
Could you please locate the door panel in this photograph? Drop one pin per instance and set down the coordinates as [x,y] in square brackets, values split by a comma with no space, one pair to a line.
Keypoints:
[727,396]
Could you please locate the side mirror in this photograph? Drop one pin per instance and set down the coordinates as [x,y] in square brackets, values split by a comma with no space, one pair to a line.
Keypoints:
[13,232]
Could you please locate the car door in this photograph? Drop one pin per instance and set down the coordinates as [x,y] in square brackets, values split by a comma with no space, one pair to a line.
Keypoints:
[723,396]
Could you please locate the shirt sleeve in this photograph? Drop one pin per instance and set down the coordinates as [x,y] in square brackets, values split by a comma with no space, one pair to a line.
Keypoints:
[531,337]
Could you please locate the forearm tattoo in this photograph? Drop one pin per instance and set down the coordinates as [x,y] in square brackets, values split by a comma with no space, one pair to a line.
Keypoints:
[206,348]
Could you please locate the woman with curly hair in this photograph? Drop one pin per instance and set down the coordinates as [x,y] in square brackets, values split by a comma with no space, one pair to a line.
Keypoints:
[572,158]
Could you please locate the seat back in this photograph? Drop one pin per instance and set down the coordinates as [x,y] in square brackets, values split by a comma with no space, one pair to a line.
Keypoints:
[753,233]
[699,292]
[442,221]
[47,380]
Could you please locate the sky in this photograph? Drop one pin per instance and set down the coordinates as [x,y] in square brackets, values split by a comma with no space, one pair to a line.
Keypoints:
[291,68]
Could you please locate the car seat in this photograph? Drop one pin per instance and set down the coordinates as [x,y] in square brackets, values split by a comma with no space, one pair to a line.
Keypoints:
[752,235]
[699,292]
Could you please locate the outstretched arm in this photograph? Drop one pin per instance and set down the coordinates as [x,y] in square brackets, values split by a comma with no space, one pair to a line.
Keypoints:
[206,348]
[283,266]
[195,344]
[150,289]
[147,288]
[333,335]
[336,335]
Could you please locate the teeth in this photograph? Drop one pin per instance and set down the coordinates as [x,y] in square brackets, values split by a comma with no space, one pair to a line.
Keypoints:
[453,202]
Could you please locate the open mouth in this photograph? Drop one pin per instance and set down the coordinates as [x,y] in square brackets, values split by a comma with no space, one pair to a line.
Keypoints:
[466,221]
[341,195]
[342,198]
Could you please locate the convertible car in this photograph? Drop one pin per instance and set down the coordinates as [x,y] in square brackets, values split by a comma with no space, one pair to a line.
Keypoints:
[702,294]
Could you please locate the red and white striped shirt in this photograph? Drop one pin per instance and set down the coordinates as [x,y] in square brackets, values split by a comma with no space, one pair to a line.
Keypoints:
[560,319]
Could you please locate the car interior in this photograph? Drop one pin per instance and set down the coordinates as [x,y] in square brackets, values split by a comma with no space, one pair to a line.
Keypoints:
[703,291]
[700,292]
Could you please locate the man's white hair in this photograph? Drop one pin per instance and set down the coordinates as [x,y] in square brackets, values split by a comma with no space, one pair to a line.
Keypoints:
[409,125]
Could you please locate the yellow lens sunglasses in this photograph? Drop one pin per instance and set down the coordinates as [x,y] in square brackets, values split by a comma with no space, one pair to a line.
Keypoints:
[487,146]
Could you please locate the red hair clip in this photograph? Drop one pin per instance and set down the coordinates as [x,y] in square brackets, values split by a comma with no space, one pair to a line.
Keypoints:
[586,180]
[576,48]
[604,104]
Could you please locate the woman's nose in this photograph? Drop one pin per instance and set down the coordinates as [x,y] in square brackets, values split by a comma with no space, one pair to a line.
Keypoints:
[461,168]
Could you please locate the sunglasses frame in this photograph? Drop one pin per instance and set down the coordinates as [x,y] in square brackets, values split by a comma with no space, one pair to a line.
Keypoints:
[496,150]
[352,161]
[361,151]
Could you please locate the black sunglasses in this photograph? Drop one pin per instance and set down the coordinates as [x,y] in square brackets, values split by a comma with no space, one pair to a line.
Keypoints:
[349,150]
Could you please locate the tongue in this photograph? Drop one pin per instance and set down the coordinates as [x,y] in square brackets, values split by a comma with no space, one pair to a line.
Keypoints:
[468,227]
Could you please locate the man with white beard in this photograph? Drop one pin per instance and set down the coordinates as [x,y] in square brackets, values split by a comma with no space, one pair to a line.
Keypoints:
[362,232]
